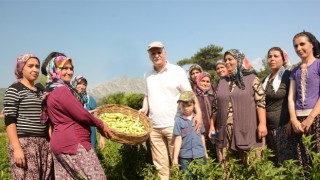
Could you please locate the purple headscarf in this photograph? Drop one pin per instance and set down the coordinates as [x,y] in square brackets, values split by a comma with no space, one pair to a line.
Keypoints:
[21,61]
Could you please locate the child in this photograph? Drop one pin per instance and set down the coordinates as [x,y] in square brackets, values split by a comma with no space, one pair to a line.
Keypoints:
[188,145]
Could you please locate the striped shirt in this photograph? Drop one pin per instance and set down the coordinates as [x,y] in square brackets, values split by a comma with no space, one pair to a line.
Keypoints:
[22,106]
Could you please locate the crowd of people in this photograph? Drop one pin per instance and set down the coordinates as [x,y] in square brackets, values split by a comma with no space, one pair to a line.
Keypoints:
[52,131]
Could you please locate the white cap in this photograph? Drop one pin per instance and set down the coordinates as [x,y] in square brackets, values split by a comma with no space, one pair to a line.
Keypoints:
[155,44]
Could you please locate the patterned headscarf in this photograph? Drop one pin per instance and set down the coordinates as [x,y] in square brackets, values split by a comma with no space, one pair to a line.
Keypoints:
[84,96]
[314,42]
[195,66]
[21,61]
[243,68]
[199,89]
[54,67]
[53,76]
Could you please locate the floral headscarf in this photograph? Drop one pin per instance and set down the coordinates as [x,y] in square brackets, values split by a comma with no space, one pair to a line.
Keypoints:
[54,67]
[201,91]
[21,61]
[76,80]
[243,68]
[53,70]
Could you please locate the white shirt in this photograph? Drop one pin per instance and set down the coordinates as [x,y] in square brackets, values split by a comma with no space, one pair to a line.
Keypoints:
[163,91]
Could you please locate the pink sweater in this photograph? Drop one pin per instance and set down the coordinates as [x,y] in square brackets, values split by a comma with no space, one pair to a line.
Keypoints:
[71,122]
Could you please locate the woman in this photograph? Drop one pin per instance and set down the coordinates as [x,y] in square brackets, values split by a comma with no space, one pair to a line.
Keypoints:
[276,86]
[194,71]
[238,109]
[29,150]
[303,100]
[221,69]
[74,156]
[204,93]
[80,84]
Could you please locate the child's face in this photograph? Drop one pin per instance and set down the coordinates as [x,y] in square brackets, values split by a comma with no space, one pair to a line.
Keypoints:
[187,108]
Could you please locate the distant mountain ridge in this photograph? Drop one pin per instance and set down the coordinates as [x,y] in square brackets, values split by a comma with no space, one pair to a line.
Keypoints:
[122,84]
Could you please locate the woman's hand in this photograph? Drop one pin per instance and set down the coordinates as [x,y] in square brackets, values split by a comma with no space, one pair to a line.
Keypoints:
[102,142]
[262,130]
[210,130]
[297,127]
[18,156]
[306,124]
[105,131]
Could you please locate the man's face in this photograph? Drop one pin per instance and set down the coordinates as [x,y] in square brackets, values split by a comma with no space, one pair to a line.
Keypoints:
[158,57]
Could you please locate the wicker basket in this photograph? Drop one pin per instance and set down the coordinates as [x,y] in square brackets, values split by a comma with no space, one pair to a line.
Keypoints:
[121,137]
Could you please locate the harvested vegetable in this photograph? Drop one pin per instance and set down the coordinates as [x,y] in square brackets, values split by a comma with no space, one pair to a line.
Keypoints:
[124,123]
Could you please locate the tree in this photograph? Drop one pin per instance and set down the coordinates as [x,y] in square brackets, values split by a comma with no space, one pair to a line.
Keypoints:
[206,57]
[265,70]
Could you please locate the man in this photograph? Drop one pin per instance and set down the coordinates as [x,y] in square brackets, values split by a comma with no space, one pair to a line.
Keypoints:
[163,86]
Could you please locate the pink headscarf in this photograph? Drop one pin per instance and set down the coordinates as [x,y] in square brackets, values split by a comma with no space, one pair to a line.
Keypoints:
[199,89]
[21,61]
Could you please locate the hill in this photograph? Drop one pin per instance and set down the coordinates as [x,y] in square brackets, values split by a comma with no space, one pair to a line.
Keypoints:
[122,84]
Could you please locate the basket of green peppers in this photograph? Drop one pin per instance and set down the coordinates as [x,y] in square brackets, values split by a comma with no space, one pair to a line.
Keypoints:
[126,125]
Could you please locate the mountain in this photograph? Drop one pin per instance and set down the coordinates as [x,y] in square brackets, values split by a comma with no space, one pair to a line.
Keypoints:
[122,84]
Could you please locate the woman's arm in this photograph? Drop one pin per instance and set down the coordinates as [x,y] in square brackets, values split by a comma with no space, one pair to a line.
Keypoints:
[262,127]
[313,114]
[18,154]
[212,122]
[292,110]
[204,145]
[259,97]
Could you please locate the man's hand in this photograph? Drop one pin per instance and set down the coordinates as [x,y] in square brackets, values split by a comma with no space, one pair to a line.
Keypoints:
[197,121]
[143,111]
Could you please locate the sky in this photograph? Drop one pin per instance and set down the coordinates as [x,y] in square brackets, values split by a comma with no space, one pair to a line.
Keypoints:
[108,39]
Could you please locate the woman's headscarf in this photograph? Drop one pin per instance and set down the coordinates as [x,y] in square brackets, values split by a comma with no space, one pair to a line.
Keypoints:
[76,80]
[217,63]
[21,61]
[314,42]
[53,70]
[286,65]
[243,68]
[199,89]
[195,66]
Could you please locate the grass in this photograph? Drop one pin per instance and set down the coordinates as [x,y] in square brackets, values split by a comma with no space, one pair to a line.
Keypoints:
[5,172]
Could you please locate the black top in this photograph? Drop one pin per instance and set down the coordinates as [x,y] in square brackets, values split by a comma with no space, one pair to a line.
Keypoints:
[277,103]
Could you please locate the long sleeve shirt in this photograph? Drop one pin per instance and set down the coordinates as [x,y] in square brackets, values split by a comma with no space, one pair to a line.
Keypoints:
[71,122]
